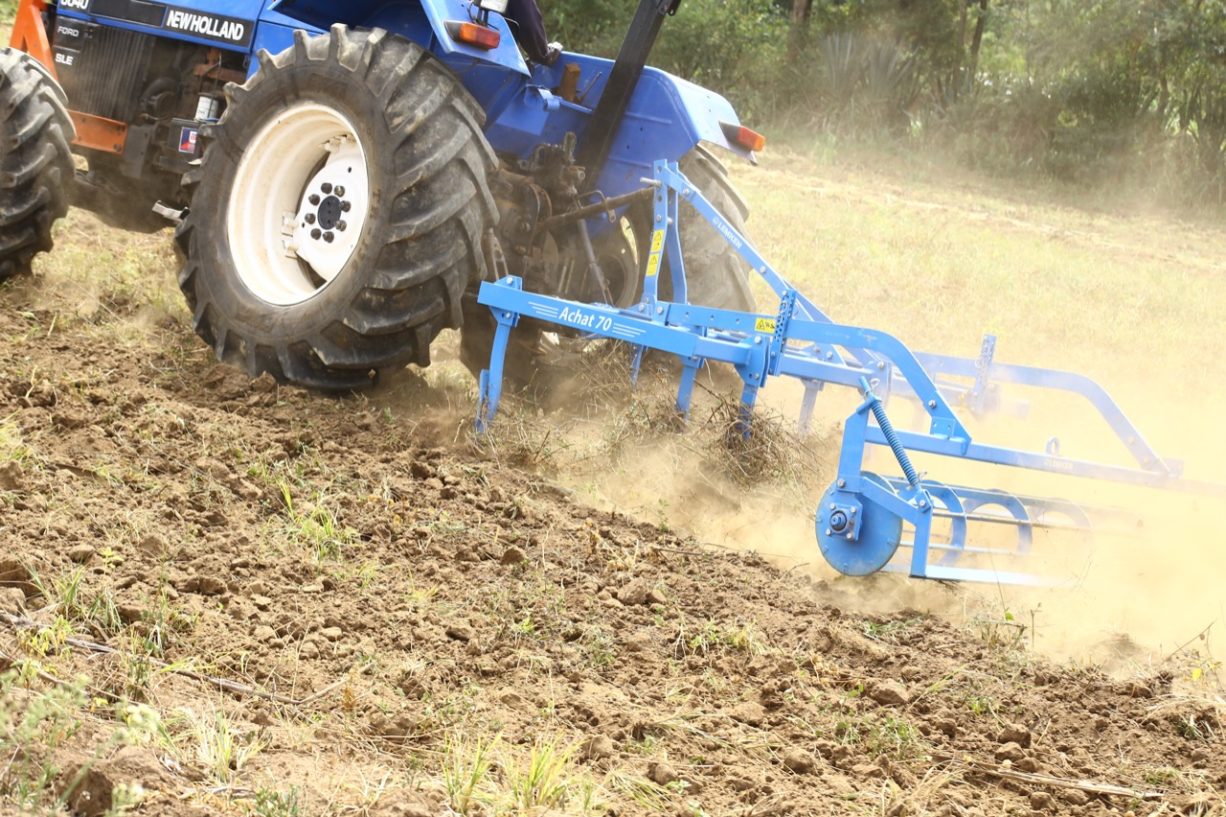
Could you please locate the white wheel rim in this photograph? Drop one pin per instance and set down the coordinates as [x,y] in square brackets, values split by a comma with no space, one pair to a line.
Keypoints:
[300,199]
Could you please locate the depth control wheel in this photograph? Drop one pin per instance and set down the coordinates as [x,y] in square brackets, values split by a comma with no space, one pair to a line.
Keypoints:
[856,535]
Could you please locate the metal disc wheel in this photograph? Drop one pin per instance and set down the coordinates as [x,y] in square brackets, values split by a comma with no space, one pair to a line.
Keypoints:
[878,540]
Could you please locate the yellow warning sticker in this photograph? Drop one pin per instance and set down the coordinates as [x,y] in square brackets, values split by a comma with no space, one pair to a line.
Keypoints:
[766,325]
[657,241]
[653,264]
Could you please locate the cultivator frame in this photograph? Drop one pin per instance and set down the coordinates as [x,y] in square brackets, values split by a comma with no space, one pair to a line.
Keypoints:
[860,519]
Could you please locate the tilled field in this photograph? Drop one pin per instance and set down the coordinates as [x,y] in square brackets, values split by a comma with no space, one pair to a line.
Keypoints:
[249,599]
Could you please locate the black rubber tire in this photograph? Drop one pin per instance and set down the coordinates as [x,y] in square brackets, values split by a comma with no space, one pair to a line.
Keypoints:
[421,244]
[715,274]
[36,164]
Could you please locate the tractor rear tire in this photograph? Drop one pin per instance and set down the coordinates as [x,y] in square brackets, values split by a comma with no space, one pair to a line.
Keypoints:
[715,274]
[36,165]
[274,282]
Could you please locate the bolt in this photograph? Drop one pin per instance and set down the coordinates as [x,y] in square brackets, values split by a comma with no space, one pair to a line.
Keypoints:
[342,226]
[326,187]
[659,219]
[314,199]
[310,218]
[346,207]
[880,364]
[842,483]
[923,503]
[833,506]
[659,310]
[850,538]
[932,404]
[316,233]
[853,511]
[828,531]
[329,236]
[758,340]
[340,191]
[830,356]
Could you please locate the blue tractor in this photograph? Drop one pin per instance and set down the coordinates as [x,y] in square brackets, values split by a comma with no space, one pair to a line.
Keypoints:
[345,175]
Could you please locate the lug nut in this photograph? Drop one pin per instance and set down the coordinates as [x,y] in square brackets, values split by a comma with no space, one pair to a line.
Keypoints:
[346,207]
[310,218]
[342,226]
[329,237]
[340,191]
[316,233]
[314,199]
[326,187]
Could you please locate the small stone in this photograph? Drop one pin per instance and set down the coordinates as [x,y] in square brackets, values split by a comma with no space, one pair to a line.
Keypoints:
[947,727]
[420,470]
[261,602]
[1027,764]
[1010,751]
[81,554]
[889,693]
[512,556]
[1014,733]
[597,747]
[331,633]
[10,476]
[460,632]
[309,649]
[799,761]
[661,773]
[749,713]
[264,634]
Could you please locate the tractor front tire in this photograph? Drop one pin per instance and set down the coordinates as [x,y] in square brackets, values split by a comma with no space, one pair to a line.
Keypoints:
[36,164]
[336,218]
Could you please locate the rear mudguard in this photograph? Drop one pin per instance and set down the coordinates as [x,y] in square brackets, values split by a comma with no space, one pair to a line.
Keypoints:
[666,118]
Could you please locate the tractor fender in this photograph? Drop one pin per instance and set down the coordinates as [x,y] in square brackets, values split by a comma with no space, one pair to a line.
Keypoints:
[424,22]
[667,117]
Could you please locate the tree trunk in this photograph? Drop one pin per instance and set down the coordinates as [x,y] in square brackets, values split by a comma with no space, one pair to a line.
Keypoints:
[799,30]
[959,79]
[981,23]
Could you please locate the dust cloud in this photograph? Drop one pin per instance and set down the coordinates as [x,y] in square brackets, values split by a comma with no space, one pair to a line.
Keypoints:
[1146,590]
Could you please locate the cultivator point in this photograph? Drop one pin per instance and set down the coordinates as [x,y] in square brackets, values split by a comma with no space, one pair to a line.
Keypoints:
[864,520]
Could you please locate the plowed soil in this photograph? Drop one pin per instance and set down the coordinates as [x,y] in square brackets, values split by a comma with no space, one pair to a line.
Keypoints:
[365,549]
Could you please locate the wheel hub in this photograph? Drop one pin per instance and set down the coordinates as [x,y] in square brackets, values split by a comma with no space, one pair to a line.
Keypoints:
[299,203]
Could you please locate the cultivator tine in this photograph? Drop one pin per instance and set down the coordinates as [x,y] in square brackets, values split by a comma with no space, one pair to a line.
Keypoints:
[863,519]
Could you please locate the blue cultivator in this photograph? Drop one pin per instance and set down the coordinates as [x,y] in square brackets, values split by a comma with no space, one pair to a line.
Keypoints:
[861,519]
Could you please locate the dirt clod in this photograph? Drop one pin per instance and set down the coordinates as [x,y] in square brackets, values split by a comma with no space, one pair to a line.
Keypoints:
[597,747]
[1011,752]
[749,713]
[1014,733]
[10,476]
[799,761]
[662,773]
[512,556]
[81,554]
[889,693]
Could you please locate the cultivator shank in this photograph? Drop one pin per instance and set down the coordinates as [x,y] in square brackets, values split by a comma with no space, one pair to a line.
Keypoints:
[864,519]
